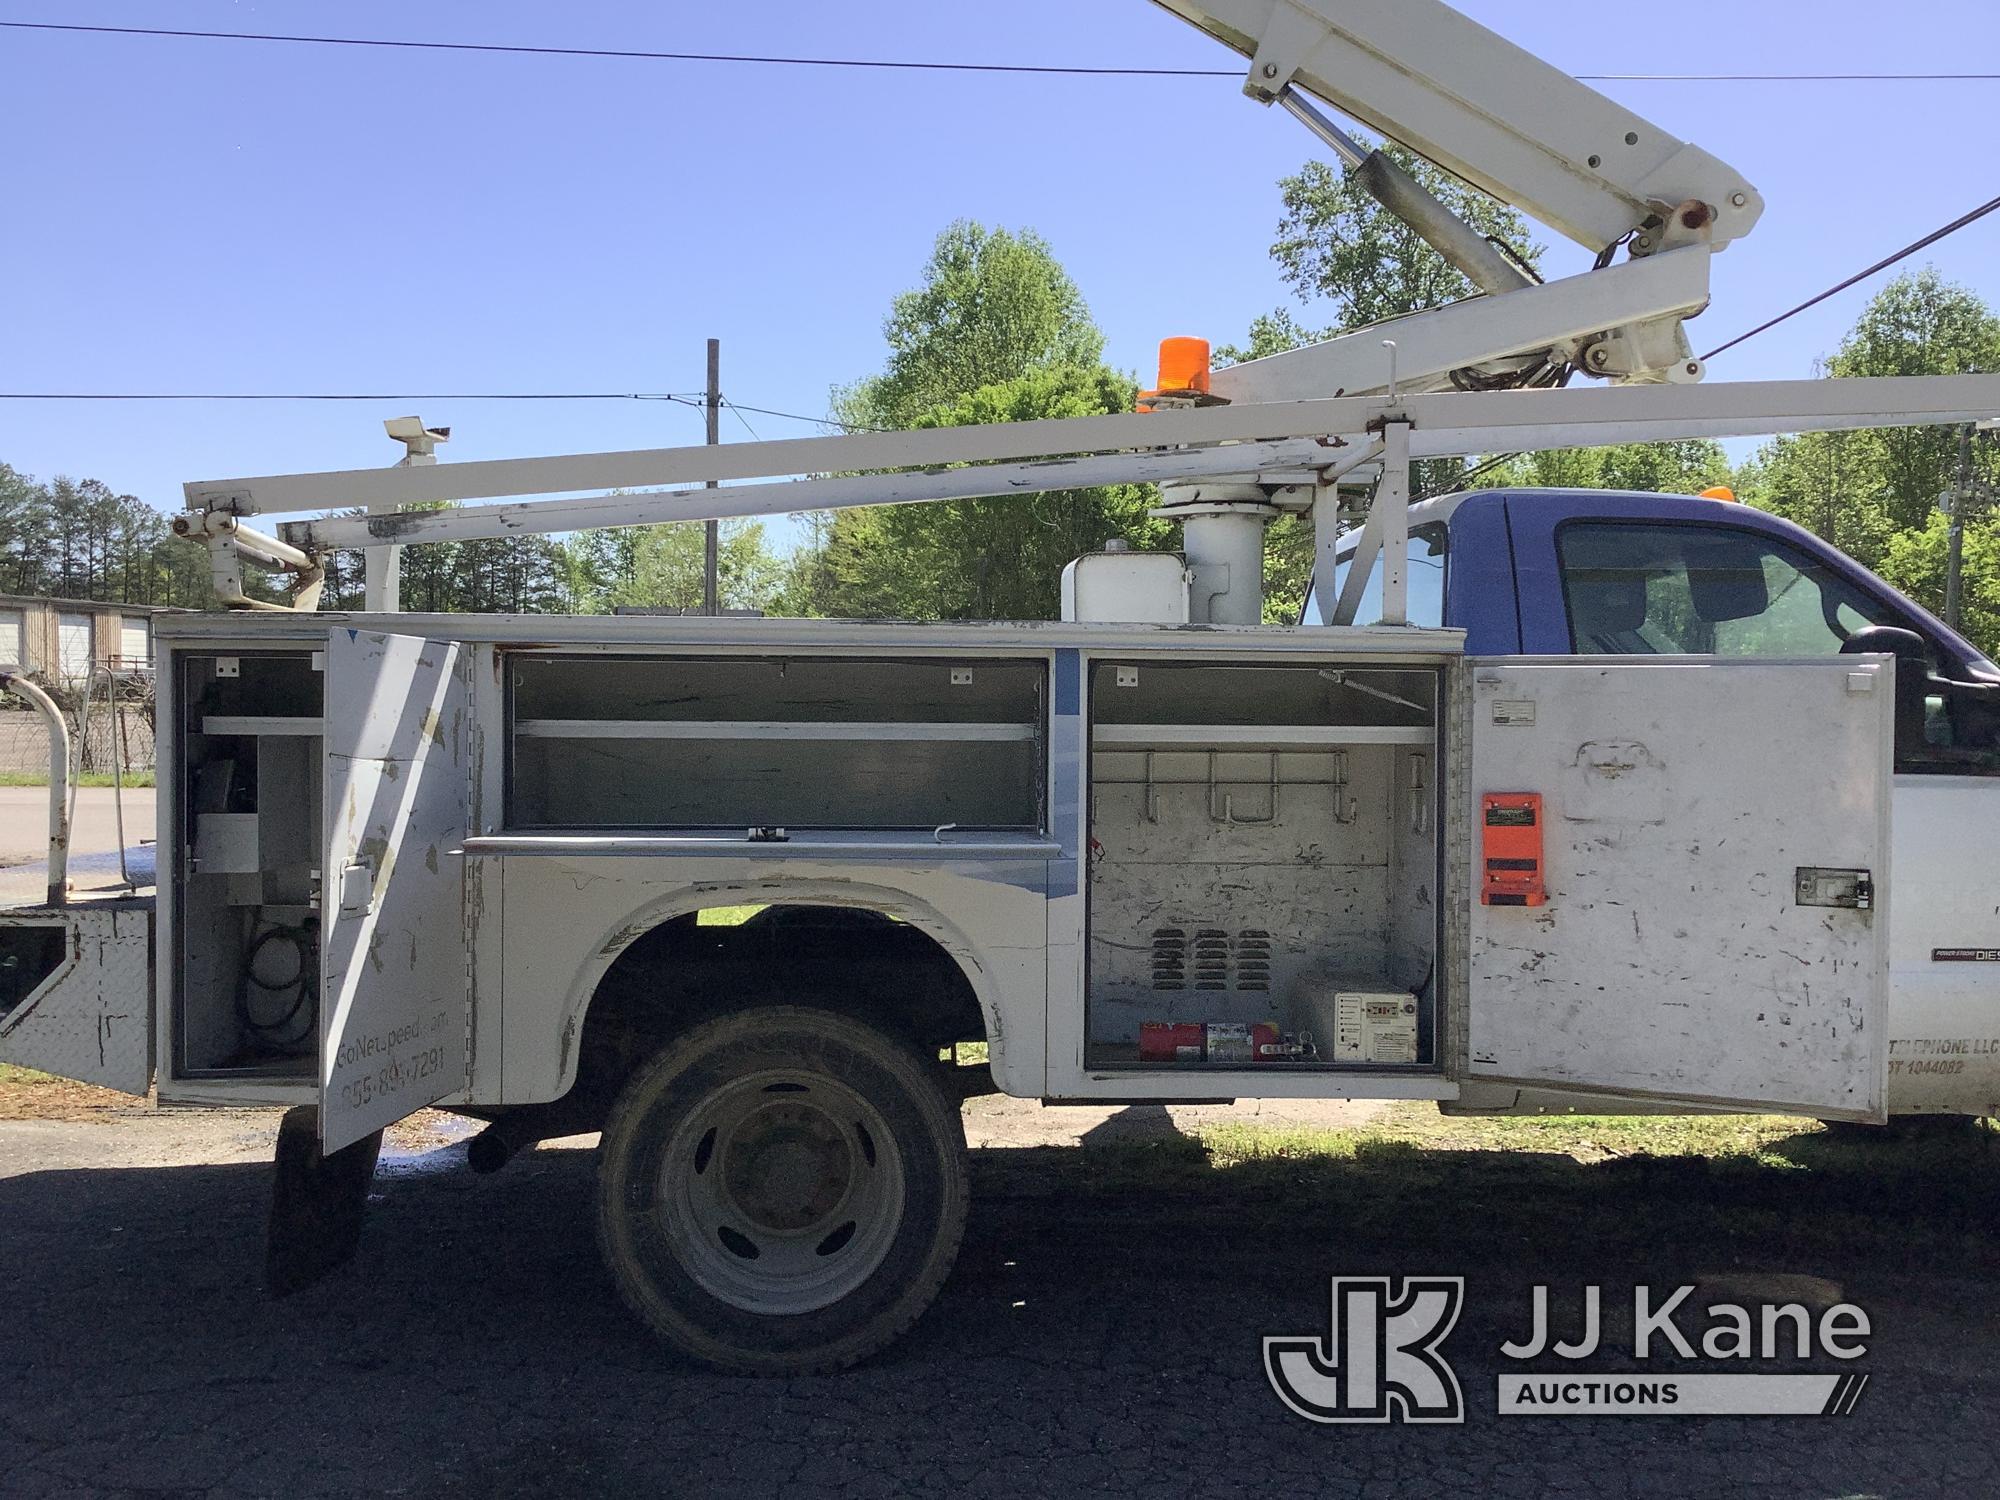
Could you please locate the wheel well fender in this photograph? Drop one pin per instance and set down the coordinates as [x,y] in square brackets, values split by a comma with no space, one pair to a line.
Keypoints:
[646,919]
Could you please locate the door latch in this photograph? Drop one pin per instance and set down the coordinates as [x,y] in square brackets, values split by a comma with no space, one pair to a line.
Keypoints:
[1849,890]
[357,889]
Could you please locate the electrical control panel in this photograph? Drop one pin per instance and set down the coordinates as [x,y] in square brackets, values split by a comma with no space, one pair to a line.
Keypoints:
[1510,853]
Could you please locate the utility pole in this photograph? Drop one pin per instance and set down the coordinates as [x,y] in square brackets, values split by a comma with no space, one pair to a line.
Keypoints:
[711,594]
[1954,567]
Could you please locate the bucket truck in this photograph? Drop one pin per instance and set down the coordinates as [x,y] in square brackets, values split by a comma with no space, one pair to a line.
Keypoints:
[1157,850]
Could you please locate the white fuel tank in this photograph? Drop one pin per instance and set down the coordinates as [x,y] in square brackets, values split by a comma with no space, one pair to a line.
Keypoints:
[1120,587]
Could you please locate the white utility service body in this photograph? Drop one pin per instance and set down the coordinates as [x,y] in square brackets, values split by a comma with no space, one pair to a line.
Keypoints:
[1672,962]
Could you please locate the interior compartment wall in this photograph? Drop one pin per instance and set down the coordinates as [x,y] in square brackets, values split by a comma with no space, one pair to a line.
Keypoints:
[216,914]
[738,784]
[666,758]
[1311,891]
[1413,865]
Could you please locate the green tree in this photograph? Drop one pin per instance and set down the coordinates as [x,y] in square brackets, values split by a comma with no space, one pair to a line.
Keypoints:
[995,332]
[1914,561]
[1828,482]
[998,559]
[1681,468]
[669,564]
[503,575]
[78,539]
[991,307]
[1345,255]
[1338,248]
[1859,490]
[597,565]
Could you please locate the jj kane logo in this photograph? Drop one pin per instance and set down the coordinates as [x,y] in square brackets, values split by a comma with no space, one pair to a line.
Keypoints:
[1379,1362]
[1381,1359]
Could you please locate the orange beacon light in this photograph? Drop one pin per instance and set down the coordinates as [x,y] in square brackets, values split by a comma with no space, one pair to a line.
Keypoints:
[1511,849]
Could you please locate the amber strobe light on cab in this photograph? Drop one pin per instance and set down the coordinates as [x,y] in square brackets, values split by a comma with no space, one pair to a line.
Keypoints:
[1183,375]
[1719,492]
[1511,849]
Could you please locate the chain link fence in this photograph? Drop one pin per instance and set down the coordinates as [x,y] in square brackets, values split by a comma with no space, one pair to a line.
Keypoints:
[110,717]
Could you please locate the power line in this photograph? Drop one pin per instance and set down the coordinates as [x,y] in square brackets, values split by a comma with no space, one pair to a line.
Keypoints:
[343,396]
[1881,265]
[676,397]
[633,53]
[793,416]
[738,411]
[1465,477]
[907,65]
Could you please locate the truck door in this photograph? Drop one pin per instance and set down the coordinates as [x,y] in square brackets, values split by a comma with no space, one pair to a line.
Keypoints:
[1593,583]
[1707,924]
[393,960]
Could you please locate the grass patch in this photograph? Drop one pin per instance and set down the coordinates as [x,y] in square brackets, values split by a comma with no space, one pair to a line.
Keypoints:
[87,778]
[1582,1138]
[28,1095]
[1568,1188]
[725,916]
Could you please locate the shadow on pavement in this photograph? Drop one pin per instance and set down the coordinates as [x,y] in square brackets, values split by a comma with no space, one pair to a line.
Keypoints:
[1102,1332]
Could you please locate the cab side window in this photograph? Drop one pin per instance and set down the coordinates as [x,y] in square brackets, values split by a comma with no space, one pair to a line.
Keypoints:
[1704,591]
[1633,588]
[1428,549]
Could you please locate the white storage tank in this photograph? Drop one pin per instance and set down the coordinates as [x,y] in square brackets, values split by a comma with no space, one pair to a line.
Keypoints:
[1121,587]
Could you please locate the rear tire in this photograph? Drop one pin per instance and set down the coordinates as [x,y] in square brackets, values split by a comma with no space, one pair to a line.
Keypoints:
[781,1191]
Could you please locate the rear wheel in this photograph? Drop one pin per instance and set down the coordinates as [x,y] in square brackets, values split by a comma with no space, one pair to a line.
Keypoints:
[782,1190]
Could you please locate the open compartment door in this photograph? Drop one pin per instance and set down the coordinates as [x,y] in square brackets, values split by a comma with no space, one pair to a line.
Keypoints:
[1708,923]
[393,964]
[76,991]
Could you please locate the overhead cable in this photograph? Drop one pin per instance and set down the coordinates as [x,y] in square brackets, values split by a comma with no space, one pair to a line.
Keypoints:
[904,64]
[1860,276]
[696,400]
[340,396]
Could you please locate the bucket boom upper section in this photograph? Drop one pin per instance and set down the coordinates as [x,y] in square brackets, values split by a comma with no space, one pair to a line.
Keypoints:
[1482,108]
[1525,133]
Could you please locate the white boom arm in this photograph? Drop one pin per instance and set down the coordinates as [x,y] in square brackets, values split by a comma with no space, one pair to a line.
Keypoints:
[1292,444]
[1532,137]
[1285,429]
[1481,108]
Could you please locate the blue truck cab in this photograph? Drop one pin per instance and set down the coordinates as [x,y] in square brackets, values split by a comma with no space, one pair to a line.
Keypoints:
[1614,573]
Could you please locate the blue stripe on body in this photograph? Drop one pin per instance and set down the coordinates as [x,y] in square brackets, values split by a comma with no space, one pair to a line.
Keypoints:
[1066,779]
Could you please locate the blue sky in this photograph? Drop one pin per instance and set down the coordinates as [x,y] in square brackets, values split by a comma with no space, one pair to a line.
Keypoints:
[188,215]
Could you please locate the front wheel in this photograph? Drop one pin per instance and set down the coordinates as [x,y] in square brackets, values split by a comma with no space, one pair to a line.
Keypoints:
[781,1191]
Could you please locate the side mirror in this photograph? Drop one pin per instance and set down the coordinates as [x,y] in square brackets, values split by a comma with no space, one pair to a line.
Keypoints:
[1889,640]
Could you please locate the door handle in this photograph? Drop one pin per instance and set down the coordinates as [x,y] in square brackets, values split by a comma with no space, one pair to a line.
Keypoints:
[1845,890]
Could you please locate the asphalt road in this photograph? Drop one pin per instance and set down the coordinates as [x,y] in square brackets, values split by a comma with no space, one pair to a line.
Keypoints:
[1094,1339]
[93,862]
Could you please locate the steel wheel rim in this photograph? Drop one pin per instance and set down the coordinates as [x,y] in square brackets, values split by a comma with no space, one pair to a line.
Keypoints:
[782,1191]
